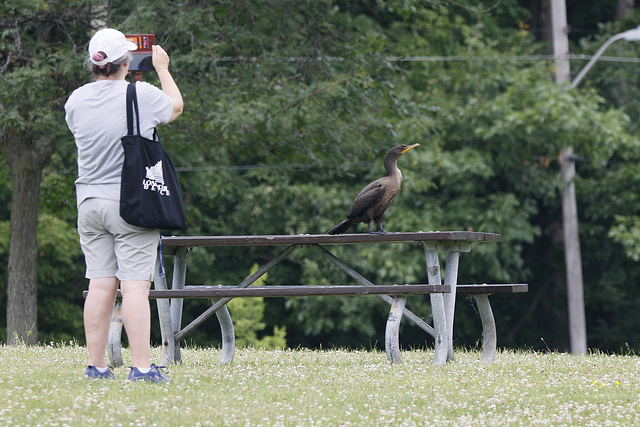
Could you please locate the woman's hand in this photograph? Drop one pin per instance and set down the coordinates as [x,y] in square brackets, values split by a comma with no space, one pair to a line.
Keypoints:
[159,58]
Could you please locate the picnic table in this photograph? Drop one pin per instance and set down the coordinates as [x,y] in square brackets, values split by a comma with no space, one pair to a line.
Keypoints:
[442,295]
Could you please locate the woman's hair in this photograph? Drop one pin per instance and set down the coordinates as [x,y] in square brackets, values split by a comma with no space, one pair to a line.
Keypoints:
[111,67]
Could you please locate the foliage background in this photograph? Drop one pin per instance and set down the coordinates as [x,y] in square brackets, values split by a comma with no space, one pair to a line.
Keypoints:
[290,107]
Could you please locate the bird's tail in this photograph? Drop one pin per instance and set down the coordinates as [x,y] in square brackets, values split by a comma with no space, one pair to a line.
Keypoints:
[340,228]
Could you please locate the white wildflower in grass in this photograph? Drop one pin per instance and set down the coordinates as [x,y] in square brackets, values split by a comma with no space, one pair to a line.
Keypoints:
[44,386]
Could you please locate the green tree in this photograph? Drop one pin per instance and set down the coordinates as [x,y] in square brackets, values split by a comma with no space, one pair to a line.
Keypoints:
[35,78]
[289,109]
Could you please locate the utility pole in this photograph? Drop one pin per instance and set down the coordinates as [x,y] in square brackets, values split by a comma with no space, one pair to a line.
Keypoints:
[559,32]
[573,259]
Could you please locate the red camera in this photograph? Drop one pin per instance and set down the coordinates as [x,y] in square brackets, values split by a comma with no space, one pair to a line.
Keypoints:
[141,56]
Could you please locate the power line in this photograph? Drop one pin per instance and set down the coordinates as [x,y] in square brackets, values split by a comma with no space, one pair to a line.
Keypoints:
[454,58]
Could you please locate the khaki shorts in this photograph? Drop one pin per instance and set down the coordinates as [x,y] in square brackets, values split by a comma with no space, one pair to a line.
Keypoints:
[111,246]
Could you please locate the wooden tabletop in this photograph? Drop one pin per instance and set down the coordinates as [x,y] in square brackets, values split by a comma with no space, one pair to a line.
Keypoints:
[327,239]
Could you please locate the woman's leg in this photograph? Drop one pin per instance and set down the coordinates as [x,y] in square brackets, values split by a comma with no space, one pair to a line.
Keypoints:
[136,315]
[98,309]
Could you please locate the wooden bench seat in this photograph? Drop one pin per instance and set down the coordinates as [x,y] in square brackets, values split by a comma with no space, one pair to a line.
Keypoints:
[226,291]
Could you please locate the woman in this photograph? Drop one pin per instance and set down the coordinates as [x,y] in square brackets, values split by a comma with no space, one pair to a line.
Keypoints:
[115,251]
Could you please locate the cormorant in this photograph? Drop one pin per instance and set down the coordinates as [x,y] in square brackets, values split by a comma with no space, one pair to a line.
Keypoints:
[375,198]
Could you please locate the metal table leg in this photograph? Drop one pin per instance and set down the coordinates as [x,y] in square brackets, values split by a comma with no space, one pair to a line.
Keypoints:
[178,282]
[164,317]
[437,309]
[451,279]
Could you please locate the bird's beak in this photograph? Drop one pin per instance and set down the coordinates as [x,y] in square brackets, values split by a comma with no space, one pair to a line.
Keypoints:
[409,148]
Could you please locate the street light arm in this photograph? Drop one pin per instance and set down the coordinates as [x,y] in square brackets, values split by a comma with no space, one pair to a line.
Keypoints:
[594,58]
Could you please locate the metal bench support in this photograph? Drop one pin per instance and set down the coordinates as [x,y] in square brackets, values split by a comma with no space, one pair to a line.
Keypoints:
[391,335]
[228,335]
[489,340]
[114,352]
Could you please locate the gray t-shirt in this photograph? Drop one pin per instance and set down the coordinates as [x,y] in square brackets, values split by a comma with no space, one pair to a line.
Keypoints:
[96,115]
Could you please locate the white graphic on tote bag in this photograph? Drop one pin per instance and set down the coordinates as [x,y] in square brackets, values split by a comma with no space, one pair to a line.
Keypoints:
[154,180]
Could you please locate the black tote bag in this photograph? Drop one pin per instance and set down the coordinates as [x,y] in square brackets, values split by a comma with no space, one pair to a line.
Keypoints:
[150,195]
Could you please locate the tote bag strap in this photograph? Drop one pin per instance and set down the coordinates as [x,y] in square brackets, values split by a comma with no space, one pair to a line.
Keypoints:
[132,102]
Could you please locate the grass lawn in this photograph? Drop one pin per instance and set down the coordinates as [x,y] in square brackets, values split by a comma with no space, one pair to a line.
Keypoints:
[44,386]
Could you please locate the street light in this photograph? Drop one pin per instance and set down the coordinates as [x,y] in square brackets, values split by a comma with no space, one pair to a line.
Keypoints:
[629,35]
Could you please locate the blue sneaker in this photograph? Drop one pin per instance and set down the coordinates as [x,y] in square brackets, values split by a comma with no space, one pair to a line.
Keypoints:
[154,375]
[93,373]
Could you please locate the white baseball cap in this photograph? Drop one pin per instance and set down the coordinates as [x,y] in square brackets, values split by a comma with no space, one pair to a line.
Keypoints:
[107,45]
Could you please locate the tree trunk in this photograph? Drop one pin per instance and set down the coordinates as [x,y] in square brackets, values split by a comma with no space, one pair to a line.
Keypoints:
[624,8]
[26,174]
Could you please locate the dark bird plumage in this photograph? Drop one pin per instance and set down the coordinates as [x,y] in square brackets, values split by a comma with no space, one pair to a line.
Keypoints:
[374,199]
